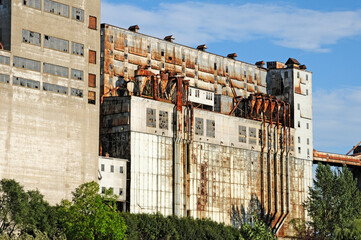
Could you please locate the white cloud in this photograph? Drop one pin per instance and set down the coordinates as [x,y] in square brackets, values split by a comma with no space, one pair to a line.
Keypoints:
[336,119]
[196,22]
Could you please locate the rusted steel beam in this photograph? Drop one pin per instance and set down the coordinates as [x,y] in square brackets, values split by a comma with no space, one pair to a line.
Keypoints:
[336,158]
[353,148]
[235,107]
[105,94]
[179,93]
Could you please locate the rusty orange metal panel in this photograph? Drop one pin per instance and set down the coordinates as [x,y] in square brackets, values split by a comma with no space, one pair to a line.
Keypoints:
[138,46]
[119,41]
[250,88]
[206,77]
[92,56]
[92,22]
[190,73]
[222,81]
[119,56]
[91,80]
[140,61]
[237,84]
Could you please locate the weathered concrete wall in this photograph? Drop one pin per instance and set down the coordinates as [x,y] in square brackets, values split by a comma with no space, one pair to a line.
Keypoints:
[49,139]
[219,175]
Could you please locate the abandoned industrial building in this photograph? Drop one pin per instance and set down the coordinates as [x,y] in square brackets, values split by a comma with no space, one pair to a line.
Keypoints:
[170,128]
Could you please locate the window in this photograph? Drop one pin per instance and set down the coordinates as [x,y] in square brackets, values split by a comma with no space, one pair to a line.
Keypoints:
[91,97]
[162,53]
[308,141]
[299,150]
[31,37]
[125,42]
[242,134]
[56,8]
[103,189]
[196,61]
[111,168]
[183,58]
[77,14]
[308,152]
[215,66]
[308,126]
[151,118]
[121,170]
[91,80]
[120,191]
[286,75]
[77,48]
[306,92]
[245,73]
[76,74]
[55,88]
[190,92]
[26,64]
[32,3]
[148,49]
[199,126]
[56,43]
[298,106]
[298,74]
[306,77]
[211,128]
[102,167]
[4,60]
[76,92]
[252,135]
[111,38]
[163,120]
[255,76]
[197,93]
[55,70]
[92,56]
[4,78]
[26,83]
[93,22]
[299,124]
[299,140]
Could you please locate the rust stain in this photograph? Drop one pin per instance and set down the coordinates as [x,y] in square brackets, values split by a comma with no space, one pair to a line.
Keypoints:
[250,88]
[202,196]
[298,88]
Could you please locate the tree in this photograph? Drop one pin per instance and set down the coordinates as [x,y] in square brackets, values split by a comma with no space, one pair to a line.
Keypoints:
[334,203]
[90,215]
[256,231]
[23,212]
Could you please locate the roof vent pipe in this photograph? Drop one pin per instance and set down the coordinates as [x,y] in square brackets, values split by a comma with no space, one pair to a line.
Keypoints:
[232,56]
[134,28]
[202,47]
[169,38]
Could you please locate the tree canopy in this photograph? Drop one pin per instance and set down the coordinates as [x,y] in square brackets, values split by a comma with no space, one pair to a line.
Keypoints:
[334,204]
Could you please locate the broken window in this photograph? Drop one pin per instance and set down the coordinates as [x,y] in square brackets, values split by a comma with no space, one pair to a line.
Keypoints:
[4,78]
[120,191]
[199,126]
[91,97]
[31,37]
[76,74]
[211,128]
[55,88]
[78,14]
[77,48]
[242,134]
[151,118]
[55,70]
[26,64]
[56,43]
[56,8]
[215,66]
[32,3]
[92,56]
[4,60]
[252,136]
[76,92]
[103,189]
[91,80]
[163,120]
[93,22]
[121,170]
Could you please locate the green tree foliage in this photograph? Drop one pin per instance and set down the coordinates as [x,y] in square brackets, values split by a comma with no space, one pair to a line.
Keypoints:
[90,215]
[24,213]
[334,204]
[256,231]
[155,226]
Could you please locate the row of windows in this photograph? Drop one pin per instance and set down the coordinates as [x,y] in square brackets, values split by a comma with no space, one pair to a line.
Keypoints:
[307,125]
[48,68]
[112,190]
[4,60]
[111,169]
[52,42]
[56,8]
[152,119]
[308,151]
[199,127]
[308,140]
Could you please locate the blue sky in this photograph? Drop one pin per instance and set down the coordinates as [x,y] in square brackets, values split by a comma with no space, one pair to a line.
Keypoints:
[324,35]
